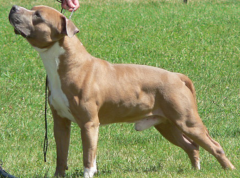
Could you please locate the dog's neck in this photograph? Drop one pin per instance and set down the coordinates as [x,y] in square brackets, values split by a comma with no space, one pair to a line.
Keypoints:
[68,44]
[63,51]
[51,58]
[62,56]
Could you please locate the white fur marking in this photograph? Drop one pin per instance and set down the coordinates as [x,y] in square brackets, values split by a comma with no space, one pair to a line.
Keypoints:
[95,164]
[88,173]
[57,99]
[199,167]
[146,123]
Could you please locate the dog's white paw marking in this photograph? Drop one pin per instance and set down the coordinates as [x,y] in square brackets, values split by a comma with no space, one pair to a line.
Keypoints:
[146,123]
[95,164]
[198,165]
[89,173]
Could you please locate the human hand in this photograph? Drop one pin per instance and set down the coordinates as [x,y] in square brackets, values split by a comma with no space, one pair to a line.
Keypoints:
[70,5]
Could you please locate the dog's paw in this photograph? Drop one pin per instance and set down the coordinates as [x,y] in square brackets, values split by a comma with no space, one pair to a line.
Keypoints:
[89,173]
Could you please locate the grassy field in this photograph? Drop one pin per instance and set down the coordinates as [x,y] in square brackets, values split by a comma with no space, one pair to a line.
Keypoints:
[200,39]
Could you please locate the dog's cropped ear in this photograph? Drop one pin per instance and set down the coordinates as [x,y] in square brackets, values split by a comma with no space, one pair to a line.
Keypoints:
[68,27]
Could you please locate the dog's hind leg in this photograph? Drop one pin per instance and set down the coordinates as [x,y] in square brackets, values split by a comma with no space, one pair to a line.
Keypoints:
[180,108]
[62,127]
[199,134]
[175,136]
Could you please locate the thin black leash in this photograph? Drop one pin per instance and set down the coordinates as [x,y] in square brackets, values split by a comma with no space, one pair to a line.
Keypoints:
[45,142]
[45,145]
[60,1]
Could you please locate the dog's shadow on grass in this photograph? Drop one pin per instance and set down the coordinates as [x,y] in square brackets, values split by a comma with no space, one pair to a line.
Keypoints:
[79,173]
[106,172]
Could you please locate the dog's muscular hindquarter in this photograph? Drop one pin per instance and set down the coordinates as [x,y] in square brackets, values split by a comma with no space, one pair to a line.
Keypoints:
[90,91]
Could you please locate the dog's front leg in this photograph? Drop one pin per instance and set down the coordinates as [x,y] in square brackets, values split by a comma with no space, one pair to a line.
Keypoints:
[89,133]
[62,137]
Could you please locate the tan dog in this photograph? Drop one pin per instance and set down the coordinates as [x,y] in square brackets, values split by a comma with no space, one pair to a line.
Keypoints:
[90,91]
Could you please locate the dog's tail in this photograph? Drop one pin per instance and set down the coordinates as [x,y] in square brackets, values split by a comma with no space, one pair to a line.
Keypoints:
[188,82]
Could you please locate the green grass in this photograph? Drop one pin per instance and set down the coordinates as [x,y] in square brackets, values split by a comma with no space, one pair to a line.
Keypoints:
[200,39]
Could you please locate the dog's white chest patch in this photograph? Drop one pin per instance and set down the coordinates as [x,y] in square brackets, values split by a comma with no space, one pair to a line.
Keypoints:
[57,98]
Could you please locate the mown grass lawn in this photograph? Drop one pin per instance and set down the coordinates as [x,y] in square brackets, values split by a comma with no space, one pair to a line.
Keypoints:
[200,39]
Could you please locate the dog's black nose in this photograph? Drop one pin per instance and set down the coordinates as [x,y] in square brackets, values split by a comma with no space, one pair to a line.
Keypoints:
[14,9]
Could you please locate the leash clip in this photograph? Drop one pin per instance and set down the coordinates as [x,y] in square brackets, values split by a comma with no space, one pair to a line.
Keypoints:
[71,13]
[63,11]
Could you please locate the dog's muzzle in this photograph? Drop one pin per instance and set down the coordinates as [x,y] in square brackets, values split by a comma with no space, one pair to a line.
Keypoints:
[15,18]
[12,13]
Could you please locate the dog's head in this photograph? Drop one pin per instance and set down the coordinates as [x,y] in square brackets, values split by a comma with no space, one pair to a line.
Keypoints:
[41,26]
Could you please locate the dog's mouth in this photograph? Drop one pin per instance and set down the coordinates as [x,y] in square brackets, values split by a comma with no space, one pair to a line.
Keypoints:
[19,32]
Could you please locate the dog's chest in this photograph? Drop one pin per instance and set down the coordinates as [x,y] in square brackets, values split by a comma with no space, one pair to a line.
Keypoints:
[57,97]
